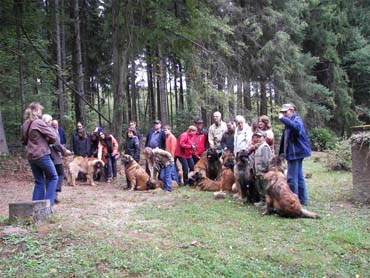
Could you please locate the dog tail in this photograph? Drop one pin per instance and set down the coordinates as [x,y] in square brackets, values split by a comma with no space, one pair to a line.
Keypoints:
[308,214]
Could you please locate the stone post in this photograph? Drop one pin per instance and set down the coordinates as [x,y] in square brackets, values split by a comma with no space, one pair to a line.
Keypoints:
[360,141]
[31,211]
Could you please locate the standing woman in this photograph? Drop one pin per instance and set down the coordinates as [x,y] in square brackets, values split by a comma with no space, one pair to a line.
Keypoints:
[37,136]
[108,152]
[184,151]
[264,124]
[57,151]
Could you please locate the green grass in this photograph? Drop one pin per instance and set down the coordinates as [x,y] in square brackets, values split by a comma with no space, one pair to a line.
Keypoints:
[188,234]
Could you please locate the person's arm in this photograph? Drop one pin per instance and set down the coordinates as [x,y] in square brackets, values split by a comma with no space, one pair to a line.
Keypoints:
[100,151]
[295,124]
[184,142]
[147,139]
[48,132]
[137,149]
[211,138]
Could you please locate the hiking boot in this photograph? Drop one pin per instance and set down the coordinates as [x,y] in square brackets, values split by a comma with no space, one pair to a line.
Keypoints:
[57,199]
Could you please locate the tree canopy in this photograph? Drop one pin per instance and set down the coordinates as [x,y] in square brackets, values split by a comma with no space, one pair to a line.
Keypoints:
[108,62]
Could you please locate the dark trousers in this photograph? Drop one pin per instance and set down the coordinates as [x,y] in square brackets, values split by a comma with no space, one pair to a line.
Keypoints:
[187,165]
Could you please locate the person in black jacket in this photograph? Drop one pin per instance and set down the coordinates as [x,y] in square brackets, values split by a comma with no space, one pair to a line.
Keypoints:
[80,141]
[133,144]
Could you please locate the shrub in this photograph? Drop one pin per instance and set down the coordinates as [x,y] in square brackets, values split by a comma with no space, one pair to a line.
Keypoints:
[322,139]
[340,158]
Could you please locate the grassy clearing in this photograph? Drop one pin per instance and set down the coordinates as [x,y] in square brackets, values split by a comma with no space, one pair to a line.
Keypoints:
[188,234]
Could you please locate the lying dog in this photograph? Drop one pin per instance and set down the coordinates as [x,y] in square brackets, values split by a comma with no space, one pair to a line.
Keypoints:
[279,197]
[214,164]
[136,175]
[246,188]
[227,172]
[203,183]
[85,165]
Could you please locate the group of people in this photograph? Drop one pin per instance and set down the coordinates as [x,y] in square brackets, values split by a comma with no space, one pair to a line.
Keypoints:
[45,142]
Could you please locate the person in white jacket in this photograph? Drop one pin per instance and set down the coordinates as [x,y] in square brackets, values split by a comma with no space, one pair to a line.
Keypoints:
[243,135]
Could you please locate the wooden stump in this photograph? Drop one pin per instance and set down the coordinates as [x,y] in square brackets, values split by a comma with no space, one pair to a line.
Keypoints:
[361,164]
[32,211]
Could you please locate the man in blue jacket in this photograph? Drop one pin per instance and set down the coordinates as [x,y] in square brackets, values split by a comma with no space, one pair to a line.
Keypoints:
[295,147]
[156,138]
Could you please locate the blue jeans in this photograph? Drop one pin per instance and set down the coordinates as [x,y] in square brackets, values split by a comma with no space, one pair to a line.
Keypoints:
[187,165]
[174,175]
[165,176]
[110,170]
[46,179]
[296,180]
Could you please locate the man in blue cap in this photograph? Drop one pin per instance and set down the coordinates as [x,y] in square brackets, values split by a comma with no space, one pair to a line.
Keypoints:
[295,146]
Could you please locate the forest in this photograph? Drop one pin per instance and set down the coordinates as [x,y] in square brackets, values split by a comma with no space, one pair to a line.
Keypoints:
[107,62]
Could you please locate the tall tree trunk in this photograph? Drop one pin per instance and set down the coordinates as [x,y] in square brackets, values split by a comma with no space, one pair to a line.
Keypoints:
[61,97]
[239,96]
[63,52]
[182,101]
[263,106]
[18,11]
[151,95]
[120,60]
[175,86]
[247,96]
[133,91]
[77,63]
[162,86]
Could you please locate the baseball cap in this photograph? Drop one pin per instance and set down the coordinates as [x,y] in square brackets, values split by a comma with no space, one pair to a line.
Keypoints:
[98,129]
[286,107]
[260,133]
[156,122]
[198,120]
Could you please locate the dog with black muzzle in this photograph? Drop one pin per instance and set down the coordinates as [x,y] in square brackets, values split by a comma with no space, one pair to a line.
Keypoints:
[137,177]
[214,164]
[279,197]
[227,172]
[203,183]
[85,165]
[246,188]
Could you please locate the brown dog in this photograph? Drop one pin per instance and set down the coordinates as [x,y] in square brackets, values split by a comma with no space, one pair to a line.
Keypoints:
[201,165]
[136,175]
[279,197]
[86,165]
[245,185]
[214,164]
[227,173]
[203,183]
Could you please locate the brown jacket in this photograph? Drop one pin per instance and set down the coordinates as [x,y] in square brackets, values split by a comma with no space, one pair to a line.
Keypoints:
[39,137]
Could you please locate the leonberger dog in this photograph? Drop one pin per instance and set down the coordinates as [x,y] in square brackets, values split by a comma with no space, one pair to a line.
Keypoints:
[227,172]
[203,183]
[214,164]
[246,188]
[86,165]
[279,197]
[136,175]
[201,165]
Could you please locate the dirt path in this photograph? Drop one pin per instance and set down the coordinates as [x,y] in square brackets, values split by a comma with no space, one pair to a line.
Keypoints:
[105,205]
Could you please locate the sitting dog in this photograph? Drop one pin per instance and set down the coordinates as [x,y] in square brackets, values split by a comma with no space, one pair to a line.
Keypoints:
[227,172]
[85,165]
[246,188]
[214,164]
[279,197]
[201,165]
[203,183]
[136,175]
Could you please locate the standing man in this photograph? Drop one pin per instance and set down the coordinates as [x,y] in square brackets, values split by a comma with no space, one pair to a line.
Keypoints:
[201,140]
[227,141]
[216,130]
[80,141]
[156,137]
[60,131]
[295,147]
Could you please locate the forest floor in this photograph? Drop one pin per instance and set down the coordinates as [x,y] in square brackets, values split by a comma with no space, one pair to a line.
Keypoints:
[105,231]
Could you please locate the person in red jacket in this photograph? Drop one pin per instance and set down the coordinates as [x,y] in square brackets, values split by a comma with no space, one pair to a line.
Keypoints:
[184,151]
[201,140]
